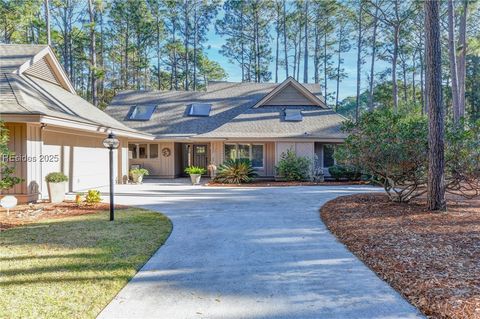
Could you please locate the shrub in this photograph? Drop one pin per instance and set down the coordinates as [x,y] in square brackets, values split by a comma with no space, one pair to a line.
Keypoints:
[344,171]
[462,158]
[7,181]
[236,171]
[56,177]
[139,171]
[191,170]
[393,149]
[293,167]
[93,196]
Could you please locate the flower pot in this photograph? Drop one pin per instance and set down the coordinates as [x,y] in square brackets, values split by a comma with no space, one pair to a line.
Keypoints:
[137,178]
[195,178]
[56,192]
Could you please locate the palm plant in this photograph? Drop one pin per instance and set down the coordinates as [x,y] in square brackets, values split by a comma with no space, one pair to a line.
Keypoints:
[236,171]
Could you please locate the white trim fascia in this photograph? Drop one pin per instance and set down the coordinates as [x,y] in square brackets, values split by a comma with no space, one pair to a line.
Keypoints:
[47,51]
[93,128]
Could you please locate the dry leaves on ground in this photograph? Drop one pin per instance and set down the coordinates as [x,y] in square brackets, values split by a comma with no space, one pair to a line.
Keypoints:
[29,213]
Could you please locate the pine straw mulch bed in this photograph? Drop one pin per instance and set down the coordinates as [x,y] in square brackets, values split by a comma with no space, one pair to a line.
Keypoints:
[287,183]
[433,259]
[30,213]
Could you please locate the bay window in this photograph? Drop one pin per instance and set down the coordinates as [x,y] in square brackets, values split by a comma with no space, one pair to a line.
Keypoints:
[252,152]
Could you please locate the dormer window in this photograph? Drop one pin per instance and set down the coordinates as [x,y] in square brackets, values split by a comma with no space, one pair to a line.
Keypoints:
[293,115]
[199,109]
[141,112]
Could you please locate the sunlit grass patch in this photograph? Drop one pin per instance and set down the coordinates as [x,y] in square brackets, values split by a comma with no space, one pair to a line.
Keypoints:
[72,267]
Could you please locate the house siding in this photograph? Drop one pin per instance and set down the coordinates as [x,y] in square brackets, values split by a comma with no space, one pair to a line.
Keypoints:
[289,96]
[163,166]
[41,69]
[17,144]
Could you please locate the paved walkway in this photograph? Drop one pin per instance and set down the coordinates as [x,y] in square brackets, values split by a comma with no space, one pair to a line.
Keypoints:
[250,253]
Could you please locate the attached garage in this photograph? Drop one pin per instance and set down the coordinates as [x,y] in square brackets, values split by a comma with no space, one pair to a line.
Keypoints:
[52,129]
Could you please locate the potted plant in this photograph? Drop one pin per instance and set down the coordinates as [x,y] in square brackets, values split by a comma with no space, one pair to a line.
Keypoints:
[195,173]
[56,186]
[137,174]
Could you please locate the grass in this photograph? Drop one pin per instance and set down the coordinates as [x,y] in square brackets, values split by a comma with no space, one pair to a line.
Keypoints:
[73,267]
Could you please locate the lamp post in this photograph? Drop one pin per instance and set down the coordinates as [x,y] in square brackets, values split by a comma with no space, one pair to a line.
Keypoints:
[111,142]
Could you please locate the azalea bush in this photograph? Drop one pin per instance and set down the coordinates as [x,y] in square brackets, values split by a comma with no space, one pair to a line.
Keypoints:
[235,171]
[462,158]
[293,167]
[393,149]
[345,172]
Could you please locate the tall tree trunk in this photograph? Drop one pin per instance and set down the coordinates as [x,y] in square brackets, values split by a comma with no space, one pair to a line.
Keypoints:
[359,60]
[422,80]
[404,73]
[257,47]
[414,73]
[461,63]
[325,65]
[339,64]
[277,49]
[102,57]
[453,62]
[127,35]
[372,63]
[394,67]
[159,74]
[186,42]
[195,44]
[93,53]
[175,60]
[47,22]
[316,58]
[295,51]
[285,46]
[433,59]
[305,57]
[299,49]
[242,45]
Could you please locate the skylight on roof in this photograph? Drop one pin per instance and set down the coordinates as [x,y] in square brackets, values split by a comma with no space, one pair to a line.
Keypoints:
[141,112]
[199,109]
[293,115]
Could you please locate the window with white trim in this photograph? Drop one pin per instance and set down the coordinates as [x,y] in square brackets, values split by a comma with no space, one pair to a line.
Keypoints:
[252,152]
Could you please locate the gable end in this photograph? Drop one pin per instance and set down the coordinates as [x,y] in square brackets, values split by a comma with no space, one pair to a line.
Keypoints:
[289,95]
[42,70]
[290,92]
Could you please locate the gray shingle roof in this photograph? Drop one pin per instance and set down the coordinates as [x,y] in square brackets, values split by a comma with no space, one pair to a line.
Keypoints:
[269,122]
[232,115]
[23,94]
[12,56]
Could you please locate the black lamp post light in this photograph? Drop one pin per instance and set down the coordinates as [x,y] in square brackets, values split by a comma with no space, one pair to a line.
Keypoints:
[111,142]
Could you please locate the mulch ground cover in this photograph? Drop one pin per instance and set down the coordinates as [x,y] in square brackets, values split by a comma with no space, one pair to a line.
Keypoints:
[433,259]
[29,213]
[285,183]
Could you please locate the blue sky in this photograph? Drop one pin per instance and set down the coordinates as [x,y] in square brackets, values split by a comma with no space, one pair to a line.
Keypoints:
[347,86]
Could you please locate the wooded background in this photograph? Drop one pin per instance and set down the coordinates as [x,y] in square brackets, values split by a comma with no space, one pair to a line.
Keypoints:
[110,45]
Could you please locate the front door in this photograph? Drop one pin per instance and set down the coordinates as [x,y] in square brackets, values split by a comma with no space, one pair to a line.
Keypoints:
[200,155]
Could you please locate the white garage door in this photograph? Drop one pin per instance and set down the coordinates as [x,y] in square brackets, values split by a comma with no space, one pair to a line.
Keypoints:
[82,158]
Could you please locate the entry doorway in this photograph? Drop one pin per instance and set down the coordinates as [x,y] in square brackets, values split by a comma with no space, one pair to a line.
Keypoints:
[195,155]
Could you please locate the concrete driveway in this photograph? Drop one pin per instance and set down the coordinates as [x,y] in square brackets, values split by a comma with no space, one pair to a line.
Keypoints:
[250,253]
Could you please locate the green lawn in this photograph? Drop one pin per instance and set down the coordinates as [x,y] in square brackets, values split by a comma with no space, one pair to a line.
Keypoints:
[72,267]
